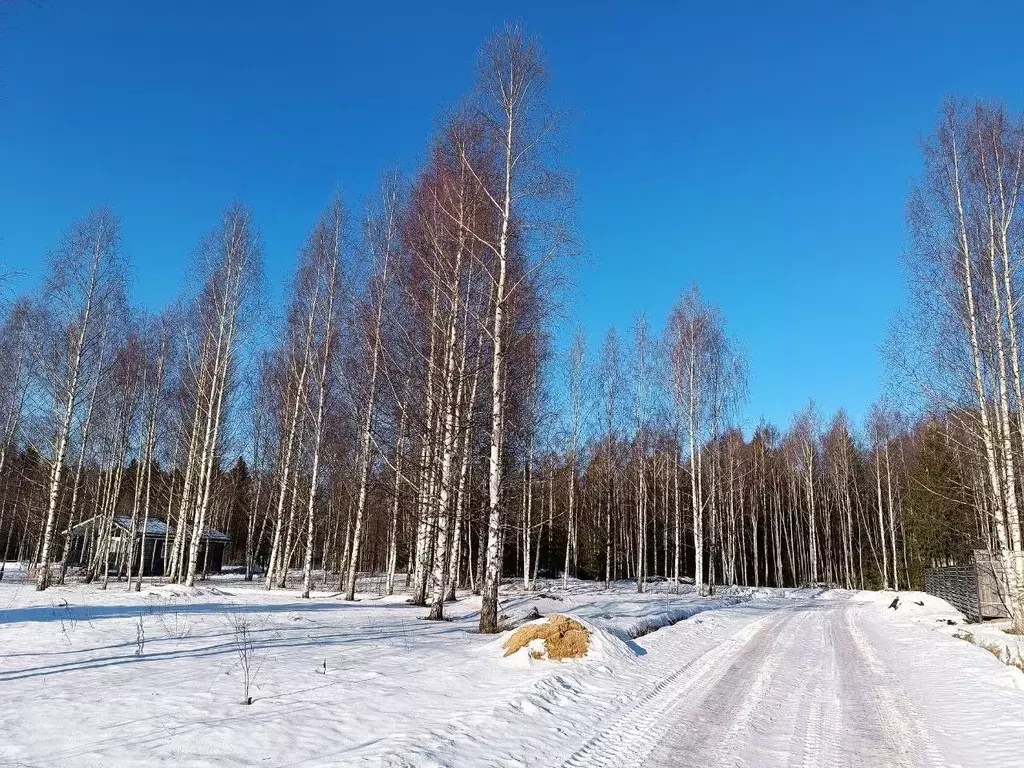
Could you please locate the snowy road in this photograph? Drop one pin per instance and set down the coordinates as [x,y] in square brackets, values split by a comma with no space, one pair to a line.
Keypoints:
[818,683]
[807,688]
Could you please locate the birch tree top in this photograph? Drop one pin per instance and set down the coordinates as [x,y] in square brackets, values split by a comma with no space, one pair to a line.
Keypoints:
[763,153]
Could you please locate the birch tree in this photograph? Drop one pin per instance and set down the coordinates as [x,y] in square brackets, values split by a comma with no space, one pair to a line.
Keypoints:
[382,242]
[323,267]
[510,105]
[84,284]
[228,264]
[575,372]
[964,282]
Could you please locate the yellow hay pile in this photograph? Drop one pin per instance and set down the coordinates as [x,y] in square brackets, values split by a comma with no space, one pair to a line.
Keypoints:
[564,638]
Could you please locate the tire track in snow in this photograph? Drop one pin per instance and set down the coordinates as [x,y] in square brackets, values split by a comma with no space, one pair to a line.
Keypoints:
[748,715]
[832,725]
[790,719]
[711,713]
[628,741]
[902,728]
[803,687]
[821,723]
[800,745]
[865,738]
[731,711]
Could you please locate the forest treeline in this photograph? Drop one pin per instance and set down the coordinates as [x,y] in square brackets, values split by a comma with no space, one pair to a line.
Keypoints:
[407,413]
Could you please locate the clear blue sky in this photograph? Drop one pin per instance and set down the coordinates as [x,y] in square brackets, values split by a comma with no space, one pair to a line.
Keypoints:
[761,150]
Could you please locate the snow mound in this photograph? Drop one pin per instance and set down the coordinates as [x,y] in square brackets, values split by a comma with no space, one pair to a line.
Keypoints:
[735,590]
[179,590]
[769,593]
[648,624]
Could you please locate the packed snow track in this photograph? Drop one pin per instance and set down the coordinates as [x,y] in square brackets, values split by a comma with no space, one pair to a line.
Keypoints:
[811,684]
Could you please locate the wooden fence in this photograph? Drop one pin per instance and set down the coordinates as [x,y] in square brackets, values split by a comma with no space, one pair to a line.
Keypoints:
[976,590]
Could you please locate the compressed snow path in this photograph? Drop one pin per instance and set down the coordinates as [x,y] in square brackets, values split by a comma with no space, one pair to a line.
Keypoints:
[802,685]
[745,678]
[836,682]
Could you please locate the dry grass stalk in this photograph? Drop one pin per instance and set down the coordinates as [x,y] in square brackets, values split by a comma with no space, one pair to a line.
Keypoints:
[564,638]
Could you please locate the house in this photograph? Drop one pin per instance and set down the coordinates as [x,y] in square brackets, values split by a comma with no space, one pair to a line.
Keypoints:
[157,538]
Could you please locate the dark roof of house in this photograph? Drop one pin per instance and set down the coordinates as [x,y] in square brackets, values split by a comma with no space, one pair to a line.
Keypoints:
[155,528]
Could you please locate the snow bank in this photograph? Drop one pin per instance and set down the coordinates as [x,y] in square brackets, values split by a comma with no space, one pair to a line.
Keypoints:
[179,590]
[627,614]
[654,622]
[922,609]
[772,593]
[685,606]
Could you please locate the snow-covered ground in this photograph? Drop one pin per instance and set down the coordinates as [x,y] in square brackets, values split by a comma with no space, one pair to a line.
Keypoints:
[748,677]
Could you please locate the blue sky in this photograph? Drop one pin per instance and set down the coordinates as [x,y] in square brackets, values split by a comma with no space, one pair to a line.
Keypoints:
[761,150]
